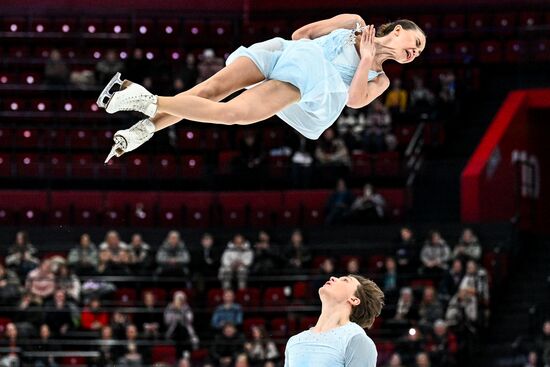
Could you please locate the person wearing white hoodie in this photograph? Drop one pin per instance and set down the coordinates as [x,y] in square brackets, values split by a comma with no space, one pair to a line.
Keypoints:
[235,262]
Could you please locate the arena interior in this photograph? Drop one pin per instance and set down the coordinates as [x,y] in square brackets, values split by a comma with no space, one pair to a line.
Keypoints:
[206,246]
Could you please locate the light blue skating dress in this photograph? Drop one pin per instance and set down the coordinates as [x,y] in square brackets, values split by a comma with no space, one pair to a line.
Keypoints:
[322,69]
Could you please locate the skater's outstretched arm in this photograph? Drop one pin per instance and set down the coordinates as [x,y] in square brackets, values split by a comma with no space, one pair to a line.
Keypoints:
[322,27]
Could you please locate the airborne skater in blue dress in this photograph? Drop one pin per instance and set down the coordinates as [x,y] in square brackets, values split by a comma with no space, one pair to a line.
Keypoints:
[306,81]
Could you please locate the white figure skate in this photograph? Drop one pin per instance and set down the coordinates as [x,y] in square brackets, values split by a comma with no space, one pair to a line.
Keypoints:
[128,96]
[129,139]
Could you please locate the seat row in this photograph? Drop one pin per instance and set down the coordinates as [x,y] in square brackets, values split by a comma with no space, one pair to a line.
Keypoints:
[176,209]
[184,167]
[513,50]
[445,25]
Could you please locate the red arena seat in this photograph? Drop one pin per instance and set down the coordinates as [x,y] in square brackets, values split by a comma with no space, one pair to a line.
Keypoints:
[249,297]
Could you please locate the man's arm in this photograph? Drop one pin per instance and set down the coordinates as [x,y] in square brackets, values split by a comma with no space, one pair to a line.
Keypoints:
[322,27]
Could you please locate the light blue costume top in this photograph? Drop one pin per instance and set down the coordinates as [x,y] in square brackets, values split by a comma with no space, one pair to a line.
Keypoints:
[322,69]
[344,346]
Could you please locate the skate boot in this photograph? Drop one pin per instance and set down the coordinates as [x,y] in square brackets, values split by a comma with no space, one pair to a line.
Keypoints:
[128,97]
[129,139]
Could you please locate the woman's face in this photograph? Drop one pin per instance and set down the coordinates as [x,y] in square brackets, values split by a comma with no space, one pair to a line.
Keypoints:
[339,289]
[406,44]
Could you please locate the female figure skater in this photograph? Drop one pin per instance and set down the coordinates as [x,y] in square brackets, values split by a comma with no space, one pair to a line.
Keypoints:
[307,81]
[349,304]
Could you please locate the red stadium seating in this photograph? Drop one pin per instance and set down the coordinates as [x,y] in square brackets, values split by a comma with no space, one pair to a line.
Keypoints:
[307,322]
[130,208]
[137,166]
[56,166]
[361,164]
[83,166]
[233,209]
[27,138]
[28,165]
[214,297]
[249,297]
[264,206]
[192,167]
[164,354]
[490,52]
[5,165]
[159,293]
[28,206]
[125,297]
[165,166]
[80,208]
[274,296]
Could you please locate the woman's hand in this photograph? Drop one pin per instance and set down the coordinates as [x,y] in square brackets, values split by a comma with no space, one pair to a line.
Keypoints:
[367,48]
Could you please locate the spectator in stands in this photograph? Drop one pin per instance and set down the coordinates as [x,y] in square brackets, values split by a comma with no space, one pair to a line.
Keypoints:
[236,261]
[46,345]
[396,100]
[59,315]
[227,345]
[423,360]
[119,323]
[56,71]
[368,207]
[29,314]
[421,100]
[250,164]
[178,319]
[131,354]
[476,282]
[22,255]
[173,258]
[10,287]
[260,348]
[107,267]
[326,270]
[451,281]
[140,255]
[68,282]
[228,311]
[462,313]
[410,344]
[435,254]
[430,309]
[394,361]
[447,102]
[10,344]
[377,135]
[407,254]
[351,125]
[148,319]
[41,281]
[93,318]
[106,68]
[241,360]
[83,258]
[352,266]
[131,357]
[189,72]
[390,280]
[442,345]
[266,258]
[302,164]
[406,309]
[542,343]
[338,206]
[332,155]
[209,65]
[114,245]
[532,360]
[468,247]
[107,349]
[206,261]
[297,255]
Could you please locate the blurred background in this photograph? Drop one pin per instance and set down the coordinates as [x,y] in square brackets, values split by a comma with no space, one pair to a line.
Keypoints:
[206,246]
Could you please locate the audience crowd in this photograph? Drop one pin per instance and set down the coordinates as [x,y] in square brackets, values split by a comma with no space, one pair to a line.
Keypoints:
[437,297]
